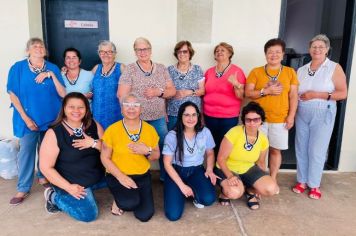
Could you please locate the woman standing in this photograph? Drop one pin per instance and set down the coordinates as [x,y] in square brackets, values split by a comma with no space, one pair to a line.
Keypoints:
[224,91]
[129,146]
[75,78]
[241,160]
[188,80]
[151,82]
[322,83]
[36,89]
[106,106]
[275,88]
[70,160]
[184,150]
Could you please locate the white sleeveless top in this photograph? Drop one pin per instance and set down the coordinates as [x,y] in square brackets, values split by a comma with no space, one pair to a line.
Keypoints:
[320,82]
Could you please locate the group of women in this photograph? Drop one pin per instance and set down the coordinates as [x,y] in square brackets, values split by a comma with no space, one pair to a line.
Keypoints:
[115,119]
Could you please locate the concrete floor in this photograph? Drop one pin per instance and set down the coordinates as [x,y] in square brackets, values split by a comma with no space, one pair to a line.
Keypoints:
[284,214]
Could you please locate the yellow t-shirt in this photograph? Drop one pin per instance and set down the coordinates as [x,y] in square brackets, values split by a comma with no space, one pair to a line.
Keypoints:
[240,160]
[275,107]
[116,138]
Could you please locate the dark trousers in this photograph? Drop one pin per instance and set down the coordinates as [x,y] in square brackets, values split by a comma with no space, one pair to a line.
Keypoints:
[139,200]
[174,200]
[219,127]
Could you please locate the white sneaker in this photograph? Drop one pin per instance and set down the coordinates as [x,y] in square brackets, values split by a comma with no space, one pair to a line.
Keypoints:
[49,205]
[197,204]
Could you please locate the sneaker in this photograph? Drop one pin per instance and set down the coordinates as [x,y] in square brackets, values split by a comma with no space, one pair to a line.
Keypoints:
[49,205]
[197,204]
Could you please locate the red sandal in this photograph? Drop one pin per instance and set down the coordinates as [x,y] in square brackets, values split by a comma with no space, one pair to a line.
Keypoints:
[299,188]
[314,193]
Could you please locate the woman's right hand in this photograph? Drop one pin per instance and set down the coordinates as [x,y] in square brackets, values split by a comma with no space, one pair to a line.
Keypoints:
[127,182]
[187,191]
[30,124]
[233,181]
[77,191]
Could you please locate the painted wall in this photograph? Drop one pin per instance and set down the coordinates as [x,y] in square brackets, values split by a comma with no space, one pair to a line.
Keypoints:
[348,147]
[13,42]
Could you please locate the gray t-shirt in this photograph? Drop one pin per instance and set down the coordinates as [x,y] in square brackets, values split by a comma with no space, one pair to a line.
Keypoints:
[204,141]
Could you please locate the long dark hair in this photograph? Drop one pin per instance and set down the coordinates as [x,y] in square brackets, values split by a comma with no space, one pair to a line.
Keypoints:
[87,119]
[179,128]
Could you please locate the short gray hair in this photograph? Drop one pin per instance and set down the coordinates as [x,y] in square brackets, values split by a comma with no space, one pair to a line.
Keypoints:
[107,43]
[320,37]
[33,41]
[142,40]
[130,95]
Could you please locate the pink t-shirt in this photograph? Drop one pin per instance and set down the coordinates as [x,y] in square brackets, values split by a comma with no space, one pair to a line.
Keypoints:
[220,100]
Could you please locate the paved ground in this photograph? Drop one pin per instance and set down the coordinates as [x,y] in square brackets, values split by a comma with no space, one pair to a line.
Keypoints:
[284,214]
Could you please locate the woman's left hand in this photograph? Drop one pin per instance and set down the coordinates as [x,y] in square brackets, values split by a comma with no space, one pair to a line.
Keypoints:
[232,79]
[308,95]
[151,93]
[183,93]
[210,174]
[138,148]
[84,143]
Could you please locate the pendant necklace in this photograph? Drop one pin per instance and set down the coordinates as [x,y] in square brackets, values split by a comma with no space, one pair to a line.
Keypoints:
[183,75]
[190,149]
[220,74]
[249,146]
[273,78]
[311,72]
[78,132]
[146,73]
[133,137]
[106,74]
[72,82]
[35,69]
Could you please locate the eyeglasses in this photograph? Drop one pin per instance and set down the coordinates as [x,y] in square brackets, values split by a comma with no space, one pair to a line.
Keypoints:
[182,52]
[254,120]
[109,53]
[142,50]
[193,115]
[318,48]
[131,104]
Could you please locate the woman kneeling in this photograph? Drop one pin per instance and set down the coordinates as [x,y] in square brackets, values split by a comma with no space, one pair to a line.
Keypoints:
[70,160]
[241,160]
[184,151]
[128,147]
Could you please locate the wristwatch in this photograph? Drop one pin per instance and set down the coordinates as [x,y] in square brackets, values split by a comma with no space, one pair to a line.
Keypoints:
[149,152]
[162,93]
[194,92]
[262,94]
[94,143]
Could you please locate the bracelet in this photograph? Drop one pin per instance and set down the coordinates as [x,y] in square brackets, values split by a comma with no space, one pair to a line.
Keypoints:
[48,75]
[194,92]
[262,94]
[149,152]
[329,96]
[94,143]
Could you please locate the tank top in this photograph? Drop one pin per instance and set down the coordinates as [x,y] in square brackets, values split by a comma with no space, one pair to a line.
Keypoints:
[81,167]
[321,81]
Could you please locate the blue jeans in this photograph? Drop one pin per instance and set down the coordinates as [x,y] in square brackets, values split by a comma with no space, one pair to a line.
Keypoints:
[172,120]
[314,124]
[161,127]
[29,144]
[174,200]
[219,127]
[85,209]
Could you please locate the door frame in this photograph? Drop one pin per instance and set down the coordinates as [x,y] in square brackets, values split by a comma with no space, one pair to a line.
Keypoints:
[347,50]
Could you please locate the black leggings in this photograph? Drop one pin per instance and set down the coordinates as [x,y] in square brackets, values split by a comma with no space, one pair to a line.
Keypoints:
[139,200]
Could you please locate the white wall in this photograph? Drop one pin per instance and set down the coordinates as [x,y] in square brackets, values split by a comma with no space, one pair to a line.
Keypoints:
[14,25]
[348,147]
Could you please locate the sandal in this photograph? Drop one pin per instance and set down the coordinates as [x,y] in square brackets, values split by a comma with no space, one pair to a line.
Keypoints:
[251,204]
[224,201]
[299,188]
[18,200]
[314,193]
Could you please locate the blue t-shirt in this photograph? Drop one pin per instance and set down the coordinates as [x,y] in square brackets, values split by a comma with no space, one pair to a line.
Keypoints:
[82,85]
[105,104]
[204,141]
[182,81]
[41,102]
